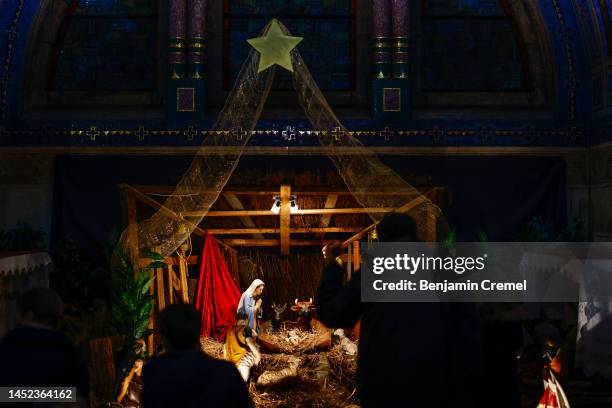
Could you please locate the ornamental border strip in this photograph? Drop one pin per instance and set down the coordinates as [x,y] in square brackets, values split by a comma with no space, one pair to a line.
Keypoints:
[436,134]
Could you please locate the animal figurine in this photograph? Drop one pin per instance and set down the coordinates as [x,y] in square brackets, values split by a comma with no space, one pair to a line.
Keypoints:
[304,310]
[278,312]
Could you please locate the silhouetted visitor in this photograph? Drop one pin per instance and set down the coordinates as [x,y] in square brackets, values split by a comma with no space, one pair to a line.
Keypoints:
[410,354]
[184,376]
[36,354]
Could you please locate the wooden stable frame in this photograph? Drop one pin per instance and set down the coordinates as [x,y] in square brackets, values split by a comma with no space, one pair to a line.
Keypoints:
[171,282]
[170,286]
[284,230]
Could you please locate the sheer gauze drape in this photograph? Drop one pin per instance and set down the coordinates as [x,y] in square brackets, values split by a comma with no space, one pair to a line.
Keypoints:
[200,186]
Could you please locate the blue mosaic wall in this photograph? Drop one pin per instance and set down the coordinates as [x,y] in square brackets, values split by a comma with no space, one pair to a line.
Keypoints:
[108,45]
[461,66]
[572,81]
[327,48]
[462,8]
[596,28]
[603,10]
[116,7]
[456,36]
[589,24]
[338,8]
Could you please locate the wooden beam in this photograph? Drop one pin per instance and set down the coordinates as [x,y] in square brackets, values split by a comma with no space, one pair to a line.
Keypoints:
[165,210]
[148,189]
[151,324]
[236,204]
[243,231]
[360,210]
[322,230]
[170,284]
[285,219]
[159,287]
[405,208]
[330,202]
[176,283]
[359,235]
[313,211]
[356,256]
[229,213]
[169,260]
[161,302]
[412,204]
[312,230]
[349,263]
[161,208]
[273,242]
[183,276]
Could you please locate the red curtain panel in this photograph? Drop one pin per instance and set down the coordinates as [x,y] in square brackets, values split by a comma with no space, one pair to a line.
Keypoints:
[217,296]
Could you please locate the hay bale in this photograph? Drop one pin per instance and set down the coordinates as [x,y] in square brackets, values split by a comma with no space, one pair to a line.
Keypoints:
[305,376]
[271,378]
[211,347]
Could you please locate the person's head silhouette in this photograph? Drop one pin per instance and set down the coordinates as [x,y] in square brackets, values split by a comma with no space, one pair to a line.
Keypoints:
[42,306]
[179,325]
[397,227]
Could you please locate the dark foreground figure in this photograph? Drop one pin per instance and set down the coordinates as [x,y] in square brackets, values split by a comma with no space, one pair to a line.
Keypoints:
[184,376]
[36,354]
[410,354]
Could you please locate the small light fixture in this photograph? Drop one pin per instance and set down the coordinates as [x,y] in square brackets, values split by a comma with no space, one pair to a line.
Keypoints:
[276,205]
[293,206]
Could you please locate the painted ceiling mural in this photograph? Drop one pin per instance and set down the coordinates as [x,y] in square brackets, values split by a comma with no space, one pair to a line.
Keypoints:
[127,56]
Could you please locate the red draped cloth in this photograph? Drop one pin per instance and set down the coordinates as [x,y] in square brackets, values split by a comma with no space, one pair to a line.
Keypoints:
[217,297]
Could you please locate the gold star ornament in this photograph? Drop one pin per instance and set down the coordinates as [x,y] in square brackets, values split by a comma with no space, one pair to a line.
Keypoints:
[275,48]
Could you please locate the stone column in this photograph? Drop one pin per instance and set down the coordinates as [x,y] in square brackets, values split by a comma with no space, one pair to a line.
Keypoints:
[400,22]
[381,18]
[197,23]
[176,41]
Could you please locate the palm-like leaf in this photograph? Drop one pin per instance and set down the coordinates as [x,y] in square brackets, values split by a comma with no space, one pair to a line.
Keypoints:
[156,265]
[155,256]
[130,298]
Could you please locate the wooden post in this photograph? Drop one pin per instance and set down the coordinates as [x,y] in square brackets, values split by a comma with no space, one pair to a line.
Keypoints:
[170,285]
[151,325]
[285,218]
[166,211]
[349,264]
[132,219]
[156,302]
[101,351]
[356,256]
[182,262]
[161,302]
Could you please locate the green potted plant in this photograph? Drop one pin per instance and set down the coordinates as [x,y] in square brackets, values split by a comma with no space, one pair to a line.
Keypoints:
[131,302]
